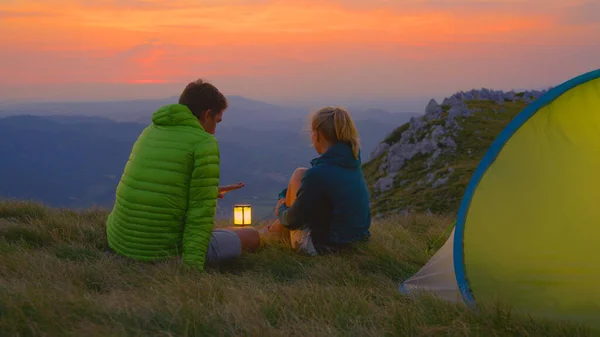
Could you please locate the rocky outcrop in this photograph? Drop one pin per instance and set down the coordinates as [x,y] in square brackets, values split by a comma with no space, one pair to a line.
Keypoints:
[434,134]
[379,150]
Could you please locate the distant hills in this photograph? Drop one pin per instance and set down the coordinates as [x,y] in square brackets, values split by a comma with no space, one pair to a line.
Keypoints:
[241,110]
[72,154]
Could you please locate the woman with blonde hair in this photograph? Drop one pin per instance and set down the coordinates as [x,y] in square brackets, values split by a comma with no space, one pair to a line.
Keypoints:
[326,207]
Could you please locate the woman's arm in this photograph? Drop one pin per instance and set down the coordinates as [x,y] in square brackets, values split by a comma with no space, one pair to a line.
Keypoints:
[307,202]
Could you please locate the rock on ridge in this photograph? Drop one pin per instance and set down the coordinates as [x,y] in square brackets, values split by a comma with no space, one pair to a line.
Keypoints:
[435,132]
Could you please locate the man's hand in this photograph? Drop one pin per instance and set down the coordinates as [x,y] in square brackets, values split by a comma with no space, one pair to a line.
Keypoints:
[228,188]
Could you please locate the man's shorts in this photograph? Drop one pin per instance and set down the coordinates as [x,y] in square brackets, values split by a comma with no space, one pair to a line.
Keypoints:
[224,245]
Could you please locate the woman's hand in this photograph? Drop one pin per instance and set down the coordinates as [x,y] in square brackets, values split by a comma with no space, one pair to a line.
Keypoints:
[279,203]
[228,188]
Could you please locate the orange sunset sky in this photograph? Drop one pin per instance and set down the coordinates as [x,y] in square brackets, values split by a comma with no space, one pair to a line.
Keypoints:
[292,50]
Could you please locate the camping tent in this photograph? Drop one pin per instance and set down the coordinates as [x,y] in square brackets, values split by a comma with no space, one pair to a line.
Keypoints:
[528,225]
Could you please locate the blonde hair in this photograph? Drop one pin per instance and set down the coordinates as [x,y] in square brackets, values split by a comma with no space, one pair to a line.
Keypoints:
[335,124]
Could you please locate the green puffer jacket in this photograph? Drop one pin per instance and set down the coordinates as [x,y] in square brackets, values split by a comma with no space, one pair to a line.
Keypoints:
[167,197]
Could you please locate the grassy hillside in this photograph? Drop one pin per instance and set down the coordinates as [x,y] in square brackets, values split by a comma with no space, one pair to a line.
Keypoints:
[425,183]
[56,280]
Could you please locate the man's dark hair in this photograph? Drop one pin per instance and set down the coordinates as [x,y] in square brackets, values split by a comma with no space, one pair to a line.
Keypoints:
[200,96]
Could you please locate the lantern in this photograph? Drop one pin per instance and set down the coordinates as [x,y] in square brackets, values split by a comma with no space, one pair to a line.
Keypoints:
[242,215]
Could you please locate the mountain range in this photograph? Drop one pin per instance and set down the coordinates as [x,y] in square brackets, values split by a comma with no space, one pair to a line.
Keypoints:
[71,154]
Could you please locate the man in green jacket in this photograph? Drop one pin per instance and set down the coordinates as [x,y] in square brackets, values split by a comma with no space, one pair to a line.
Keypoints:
[167,197]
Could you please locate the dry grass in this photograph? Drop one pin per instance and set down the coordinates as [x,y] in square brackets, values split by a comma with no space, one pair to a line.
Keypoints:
[56,280]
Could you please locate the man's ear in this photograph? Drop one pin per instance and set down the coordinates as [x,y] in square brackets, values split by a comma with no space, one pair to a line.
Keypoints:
[204,114]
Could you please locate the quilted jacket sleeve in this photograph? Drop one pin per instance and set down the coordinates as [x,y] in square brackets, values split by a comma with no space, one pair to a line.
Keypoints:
[202,203]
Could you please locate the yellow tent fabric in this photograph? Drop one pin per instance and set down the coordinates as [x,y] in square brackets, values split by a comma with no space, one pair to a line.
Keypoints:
[529,220]
[534,220]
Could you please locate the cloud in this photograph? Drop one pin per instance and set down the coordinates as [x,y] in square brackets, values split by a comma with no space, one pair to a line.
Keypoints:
[270,72]
[4,14]
[119,5]
[487,7]
[287,47]
[582,13]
